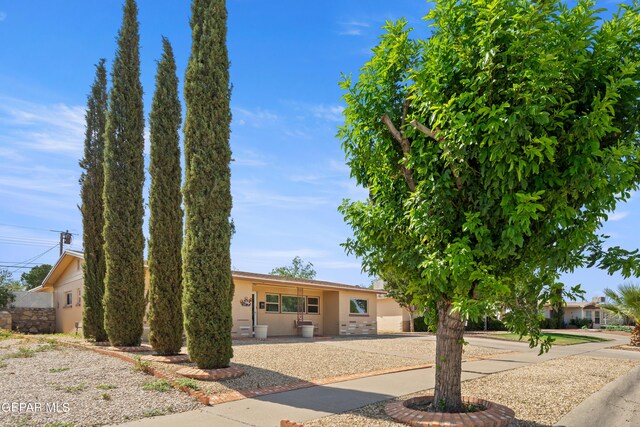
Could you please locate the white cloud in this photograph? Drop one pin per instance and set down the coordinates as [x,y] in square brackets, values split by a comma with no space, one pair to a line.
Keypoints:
[617,216]
[339,166]
[254,118]
[304,253]
[338,265]
[353,28]
[3,16]
[50,128]
[248,158]
[250,194]
[331,113]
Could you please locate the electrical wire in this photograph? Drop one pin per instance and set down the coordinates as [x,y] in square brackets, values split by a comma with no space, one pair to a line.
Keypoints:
[36,257]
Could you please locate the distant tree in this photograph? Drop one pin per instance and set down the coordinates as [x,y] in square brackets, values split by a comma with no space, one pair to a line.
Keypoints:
[626,302]
[398,288]
[492,152]
[208,286]
[92,207]
[124,300]
[297,269]
[557,305]
[165,205]
[7,287]
[34,277]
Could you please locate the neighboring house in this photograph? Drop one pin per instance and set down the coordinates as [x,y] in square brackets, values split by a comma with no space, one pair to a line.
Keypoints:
[582,310]
[259,299]
[391,317]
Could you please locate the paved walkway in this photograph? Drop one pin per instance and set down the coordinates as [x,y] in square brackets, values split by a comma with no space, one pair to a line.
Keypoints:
[315,402]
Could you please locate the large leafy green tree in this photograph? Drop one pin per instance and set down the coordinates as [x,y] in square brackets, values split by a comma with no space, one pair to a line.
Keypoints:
[492,152]
[208,287]
[34,277]
[165,200]
[92,207]
[124,301]
[298,269]
[626,302]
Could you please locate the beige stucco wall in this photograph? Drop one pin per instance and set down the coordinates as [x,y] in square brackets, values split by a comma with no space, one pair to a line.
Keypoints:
[284,323]
[391,317]
[357,324]
[241,315]
[70,281]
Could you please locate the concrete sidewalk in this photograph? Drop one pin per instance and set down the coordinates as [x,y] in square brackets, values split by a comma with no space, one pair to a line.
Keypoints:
[315,402]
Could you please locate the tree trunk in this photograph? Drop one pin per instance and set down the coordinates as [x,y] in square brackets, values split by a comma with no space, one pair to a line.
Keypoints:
[411,323]
[449,336]
[635,335]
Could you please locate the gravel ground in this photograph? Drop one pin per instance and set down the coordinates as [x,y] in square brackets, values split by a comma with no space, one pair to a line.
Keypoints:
[423,349]
[539,394]
[57,375]
[269,364]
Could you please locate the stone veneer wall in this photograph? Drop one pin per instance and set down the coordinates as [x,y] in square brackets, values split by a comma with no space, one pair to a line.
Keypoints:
[359,327]
[5,320]
[33,320]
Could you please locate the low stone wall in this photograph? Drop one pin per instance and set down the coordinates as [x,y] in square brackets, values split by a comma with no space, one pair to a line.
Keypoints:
[33,320]
[5,320]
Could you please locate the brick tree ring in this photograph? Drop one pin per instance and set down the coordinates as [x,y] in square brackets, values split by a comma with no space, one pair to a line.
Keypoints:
[494,415]
[212,374]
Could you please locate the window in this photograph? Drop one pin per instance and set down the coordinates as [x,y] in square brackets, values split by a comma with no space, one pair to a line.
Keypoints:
[587,314]
[273,303]
[68,297]
[597,318]
[79,297]
[358,306]
[290,304]
[313,305]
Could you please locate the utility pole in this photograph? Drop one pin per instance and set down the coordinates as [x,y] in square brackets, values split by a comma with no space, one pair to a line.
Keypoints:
[65,238]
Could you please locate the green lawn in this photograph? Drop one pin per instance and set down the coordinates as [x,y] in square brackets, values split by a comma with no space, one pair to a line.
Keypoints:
[560,339]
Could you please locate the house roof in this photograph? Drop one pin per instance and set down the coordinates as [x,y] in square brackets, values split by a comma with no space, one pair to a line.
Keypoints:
[63,262]
[294,281]
[578,304]
[69,255]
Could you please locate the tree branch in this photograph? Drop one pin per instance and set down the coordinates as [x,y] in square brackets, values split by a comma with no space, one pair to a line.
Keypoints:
[406,149]
[434,134]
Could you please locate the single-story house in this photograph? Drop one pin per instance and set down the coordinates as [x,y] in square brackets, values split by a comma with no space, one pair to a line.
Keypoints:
[581,310]
[259,299]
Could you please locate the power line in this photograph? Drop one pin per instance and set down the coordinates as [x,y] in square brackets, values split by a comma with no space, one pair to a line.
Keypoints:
[35,257]
[17,267]
[30,228]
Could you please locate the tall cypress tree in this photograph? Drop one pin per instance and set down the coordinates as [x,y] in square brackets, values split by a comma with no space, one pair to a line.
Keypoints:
[123,180]
[208,286]
[91,186]
[165,199]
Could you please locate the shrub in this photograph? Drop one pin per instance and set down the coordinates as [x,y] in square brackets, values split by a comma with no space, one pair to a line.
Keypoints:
[478,325]
[6,296]
[140,365]
[618,328]
[580,322]
[189,383]
[158,385]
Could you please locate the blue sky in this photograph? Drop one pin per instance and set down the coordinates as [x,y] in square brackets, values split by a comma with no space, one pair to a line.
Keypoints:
[288,177]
